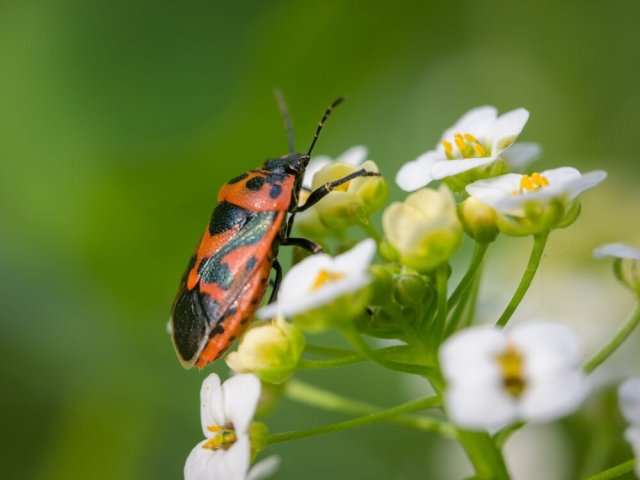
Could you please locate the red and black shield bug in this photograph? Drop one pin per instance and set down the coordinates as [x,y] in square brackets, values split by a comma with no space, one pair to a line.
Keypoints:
[228,275]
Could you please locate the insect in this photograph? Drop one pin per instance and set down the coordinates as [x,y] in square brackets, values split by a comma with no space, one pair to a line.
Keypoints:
[229,273]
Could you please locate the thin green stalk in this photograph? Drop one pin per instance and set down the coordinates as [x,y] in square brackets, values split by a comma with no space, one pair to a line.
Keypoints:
[415,405]
[614,472]
[456,315]
[539,242]
[627,328]
[316,397]
[503,435]
[479,250]
[485,456]
[441,314]
[470,314]
[311,364]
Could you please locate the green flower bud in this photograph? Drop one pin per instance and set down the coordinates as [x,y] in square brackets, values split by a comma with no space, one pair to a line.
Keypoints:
[271,351]
[414,291]
[478,220]
[258,436]
[349,203]
[424,229]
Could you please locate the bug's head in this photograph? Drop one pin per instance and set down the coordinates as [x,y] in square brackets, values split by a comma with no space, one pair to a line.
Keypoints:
[293,163]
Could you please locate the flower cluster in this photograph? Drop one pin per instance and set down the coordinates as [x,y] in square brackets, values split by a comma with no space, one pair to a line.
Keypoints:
[397,285]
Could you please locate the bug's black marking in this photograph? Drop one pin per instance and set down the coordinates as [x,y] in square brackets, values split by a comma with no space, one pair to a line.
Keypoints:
[189,323]
[255,183]
[275,177]
[238,178]
[232,338]
[252,262]
[245,319]
[275,191]
[218,273]
[226,216]
[217,330]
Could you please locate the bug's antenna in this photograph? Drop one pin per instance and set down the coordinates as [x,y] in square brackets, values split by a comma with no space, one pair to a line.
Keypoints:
[327,112]
[284,111]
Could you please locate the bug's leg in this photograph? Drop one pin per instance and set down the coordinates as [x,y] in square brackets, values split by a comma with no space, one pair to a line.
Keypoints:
[321,192]
[276,283]
[303,243]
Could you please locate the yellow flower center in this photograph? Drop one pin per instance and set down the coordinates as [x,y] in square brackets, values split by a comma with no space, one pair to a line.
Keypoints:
[512,376]
[468,146]
[224,438]
[325,276]
[531,183]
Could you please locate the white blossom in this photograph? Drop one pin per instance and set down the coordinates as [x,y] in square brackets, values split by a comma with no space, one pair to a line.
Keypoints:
[496,377]
[617,250]
[354,156]
[477,139]
[510,193]
[320,278]
[226,412]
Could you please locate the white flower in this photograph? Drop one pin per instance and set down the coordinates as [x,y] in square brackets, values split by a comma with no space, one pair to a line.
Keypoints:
[320,278]
[353,156]
[629,399]
[477,139]
[495,377]
[510,193]
[617,250]
[226,413]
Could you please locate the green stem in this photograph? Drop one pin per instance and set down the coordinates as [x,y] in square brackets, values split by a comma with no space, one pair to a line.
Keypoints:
[456,315]
[613,344]
[503,435]
[441,314]
[316,397]
[473,303]
[369,229]
[539,242]
[614,472]
[484,455]
[415,405]
[479,250]
[310,364]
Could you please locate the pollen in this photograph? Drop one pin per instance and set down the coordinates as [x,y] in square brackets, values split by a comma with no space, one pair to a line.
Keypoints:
[324,277]
[510,362]
[226,436]
[533,182]
[467,146]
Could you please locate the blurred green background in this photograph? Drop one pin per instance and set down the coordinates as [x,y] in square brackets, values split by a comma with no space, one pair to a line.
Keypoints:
[119,120]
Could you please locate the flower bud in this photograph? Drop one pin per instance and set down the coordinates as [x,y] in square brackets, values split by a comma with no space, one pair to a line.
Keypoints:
[349,203]
[478,220]
[424,229]
[271,351]
[414,291]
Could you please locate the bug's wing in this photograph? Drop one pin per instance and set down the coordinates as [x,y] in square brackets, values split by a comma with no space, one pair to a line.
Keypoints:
[228,257]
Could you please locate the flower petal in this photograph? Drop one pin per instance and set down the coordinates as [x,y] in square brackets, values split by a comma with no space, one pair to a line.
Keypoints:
[211,404]
[521,154]
[506,129]
[553,396]
[417,174]
[201,462]
[480,405]
[544,344]
[617,250]
[264,468]
[241,396]
[469,350]
[354,156]
[315,165]
[475,121]
[234,464]
[448,168]
[585,182]
[629,399]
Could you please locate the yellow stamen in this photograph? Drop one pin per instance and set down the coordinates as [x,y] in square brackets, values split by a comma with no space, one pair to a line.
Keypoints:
[532,182]
[325,276]
[479,149]
[457,138]
[226,436]
[512,376]
[448,149]
[470,138]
